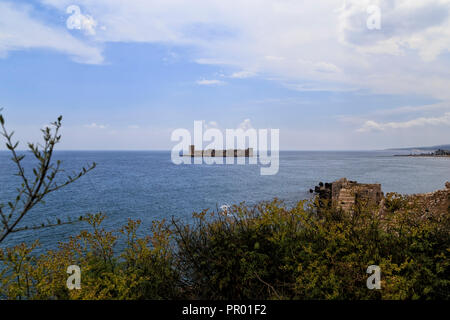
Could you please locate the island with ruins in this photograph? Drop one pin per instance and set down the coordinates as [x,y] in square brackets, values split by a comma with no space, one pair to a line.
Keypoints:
[236,153]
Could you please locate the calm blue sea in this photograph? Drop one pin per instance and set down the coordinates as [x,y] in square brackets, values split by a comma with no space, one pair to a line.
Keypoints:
[147,186]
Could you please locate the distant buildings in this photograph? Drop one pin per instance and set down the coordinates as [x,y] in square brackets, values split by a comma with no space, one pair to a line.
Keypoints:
[437,153]
[441,152]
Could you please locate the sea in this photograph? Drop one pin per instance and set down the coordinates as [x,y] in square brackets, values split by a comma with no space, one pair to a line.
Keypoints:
[148,186]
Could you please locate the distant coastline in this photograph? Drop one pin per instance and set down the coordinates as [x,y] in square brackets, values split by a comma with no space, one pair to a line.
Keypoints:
[421,155]
[436,154]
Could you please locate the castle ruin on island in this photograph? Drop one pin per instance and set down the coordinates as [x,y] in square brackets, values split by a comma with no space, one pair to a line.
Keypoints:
[248,153]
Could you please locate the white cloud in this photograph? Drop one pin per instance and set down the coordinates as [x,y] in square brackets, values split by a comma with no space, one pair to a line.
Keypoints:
[320,42]
[245,125]
[210,82]
[414,109]
[311,66]
[314,87]
[419,122]
[19,31]
[242,74]
[370,126]
[406,24]
[296,41]
[210,125]
[378,114]
[274,58]
[95,126]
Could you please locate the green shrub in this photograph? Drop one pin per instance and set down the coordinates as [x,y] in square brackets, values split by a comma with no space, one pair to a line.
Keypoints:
[267,251]
[271,252]
[143,270]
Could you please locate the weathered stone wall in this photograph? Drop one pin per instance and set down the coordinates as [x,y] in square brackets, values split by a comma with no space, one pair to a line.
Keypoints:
[346,194]
[433,203]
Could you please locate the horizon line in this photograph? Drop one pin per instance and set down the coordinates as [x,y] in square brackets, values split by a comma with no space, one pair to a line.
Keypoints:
[169,150]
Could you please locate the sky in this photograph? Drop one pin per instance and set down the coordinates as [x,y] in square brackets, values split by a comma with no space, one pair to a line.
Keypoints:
[329,74]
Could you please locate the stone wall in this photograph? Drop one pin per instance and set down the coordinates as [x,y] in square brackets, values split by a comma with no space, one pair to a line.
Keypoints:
[433,203]
[346,194]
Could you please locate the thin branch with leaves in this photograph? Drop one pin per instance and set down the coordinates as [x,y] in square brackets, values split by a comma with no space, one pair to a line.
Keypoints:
[43,182]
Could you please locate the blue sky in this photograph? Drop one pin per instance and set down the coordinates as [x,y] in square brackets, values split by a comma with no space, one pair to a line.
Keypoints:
[128,73]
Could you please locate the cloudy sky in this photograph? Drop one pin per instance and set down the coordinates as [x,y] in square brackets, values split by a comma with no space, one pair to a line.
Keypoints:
[125,74]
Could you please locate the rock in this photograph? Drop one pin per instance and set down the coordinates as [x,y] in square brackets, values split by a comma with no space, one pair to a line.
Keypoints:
[447,185]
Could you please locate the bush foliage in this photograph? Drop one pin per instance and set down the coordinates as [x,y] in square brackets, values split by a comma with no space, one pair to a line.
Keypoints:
[267,251]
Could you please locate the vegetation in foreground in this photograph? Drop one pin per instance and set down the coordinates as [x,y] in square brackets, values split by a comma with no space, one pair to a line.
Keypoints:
[267,251]
[261,252]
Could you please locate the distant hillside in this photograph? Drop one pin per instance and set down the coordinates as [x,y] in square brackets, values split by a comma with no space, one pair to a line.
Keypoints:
[433,148]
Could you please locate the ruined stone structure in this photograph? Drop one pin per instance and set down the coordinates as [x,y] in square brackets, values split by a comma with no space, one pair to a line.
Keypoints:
[346,194]
[220,153]
[433,203]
